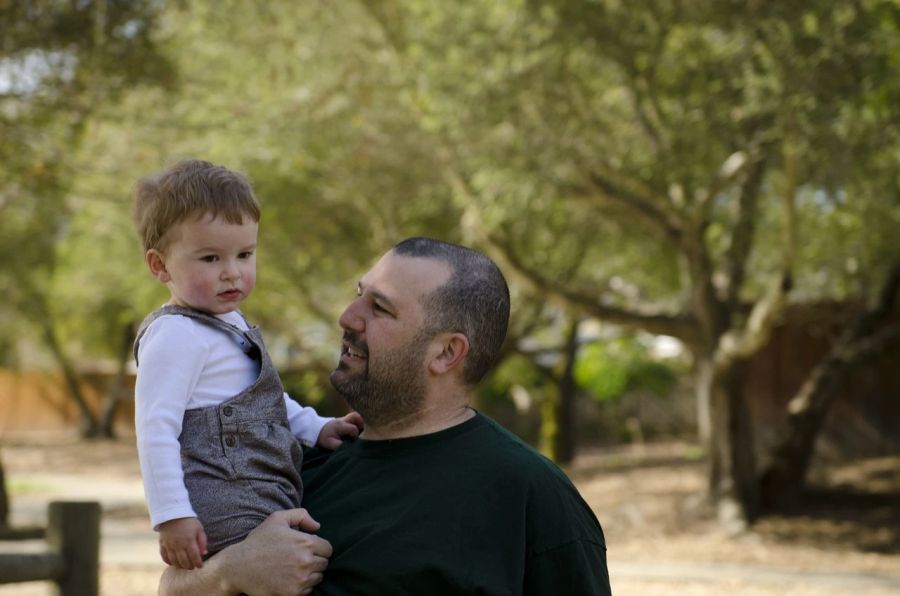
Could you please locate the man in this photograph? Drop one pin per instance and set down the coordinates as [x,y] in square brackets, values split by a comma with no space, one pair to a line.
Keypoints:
[434,498]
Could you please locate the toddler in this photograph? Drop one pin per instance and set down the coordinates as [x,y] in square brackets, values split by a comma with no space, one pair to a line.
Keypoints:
[217,436]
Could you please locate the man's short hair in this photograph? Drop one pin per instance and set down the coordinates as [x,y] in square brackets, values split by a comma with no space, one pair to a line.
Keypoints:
[474,301]
[190,187]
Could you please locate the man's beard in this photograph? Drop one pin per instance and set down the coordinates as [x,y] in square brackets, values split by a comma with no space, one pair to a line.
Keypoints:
[391,389]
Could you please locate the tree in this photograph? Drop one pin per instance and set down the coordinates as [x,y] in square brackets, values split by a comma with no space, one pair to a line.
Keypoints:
[782,481]
[687,156]
[58,62]
[684,169]
[294,110]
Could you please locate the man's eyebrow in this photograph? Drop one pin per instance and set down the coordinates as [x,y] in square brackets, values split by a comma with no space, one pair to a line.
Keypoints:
[378,296]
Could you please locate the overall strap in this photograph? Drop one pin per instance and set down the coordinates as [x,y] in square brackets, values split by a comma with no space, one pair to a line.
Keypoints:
[250,347]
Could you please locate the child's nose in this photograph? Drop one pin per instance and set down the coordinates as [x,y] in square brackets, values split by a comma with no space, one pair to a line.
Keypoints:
[231,270]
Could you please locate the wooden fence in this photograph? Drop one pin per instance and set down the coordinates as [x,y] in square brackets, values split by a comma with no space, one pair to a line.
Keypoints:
[73,555]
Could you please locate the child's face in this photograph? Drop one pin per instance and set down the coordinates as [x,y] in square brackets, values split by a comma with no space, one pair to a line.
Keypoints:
[209,264]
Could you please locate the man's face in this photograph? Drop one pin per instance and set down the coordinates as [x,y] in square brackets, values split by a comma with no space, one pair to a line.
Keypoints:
[382,371]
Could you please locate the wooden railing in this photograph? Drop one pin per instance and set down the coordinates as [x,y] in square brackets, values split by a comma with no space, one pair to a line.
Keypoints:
[72,557]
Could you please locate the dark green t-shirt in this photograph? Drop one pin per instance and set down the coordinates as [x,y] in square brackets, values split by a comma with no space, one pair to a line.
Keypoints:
[468,510]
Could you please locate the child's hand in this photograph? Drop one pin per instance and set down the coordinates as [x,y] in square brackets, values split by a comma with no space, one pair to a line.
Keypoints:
[182,542]
[348,426]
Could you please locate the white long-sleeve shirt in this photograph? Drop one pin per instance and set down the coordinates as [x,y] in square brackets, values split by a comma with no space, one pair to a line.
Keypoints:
[183,365]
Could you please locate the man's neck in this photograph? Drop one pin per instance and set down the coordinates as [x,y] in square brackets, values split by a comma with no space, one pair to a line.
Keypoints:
[425,422]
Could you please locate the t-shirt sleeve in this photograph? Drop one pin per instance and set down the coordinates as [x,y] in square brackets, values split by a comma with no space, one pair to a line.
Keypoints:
[577,568]
[306,424]
[171,357]
[567,550]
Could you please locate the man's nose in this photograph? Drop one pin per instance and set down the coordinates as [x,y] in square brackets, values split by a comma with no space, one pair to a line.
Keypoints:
[351,319]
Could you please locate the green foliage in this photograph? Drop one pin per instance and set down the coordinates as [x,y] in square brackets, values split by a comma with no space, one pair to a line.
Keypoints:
[514,370]
[610,368]
[660,93]
[360,123]
[305,387]
[512,394]
[59,62]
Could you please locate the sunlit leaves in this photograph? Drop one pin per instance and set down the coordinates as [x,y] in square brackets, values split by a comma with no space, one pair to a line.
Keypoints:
[611,368]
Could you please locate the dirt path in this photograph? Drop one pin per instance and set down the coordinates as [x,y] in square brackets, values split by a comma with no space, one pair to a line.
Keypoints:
[661,536]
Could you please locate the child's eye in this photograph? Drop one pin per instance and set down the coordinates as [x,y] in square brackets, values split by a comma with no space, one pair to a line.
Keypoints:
[209,258]
[246,254]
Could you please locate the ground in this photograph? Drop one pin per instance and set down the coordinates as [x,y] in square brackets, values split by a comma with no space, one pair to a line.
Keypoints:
[661,534]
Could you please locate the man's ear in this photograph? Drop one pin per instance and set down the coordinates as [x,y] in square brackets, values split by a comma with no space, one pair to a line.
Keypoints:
[156,261]
[453,350]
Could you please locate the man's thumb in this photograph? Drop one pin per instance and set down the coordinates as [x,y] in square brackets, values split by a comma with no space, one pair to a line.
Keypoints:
[301,520]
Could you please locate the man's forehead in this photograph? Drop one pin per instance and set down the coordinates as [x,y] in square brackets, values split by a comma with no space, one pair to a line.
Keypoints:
[401,277]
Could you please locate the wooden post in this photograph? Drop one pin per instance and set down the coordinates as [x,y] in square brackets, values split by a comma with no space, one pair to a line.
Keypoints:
[73,529]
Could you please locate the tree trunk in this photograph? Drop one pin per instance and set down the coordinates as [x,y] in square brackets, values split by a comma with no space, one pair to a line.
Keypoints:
[732,474]
[781,484]
[548,430]
[703,380]
[116,392]
[89,424]
[4,499]
[564,441]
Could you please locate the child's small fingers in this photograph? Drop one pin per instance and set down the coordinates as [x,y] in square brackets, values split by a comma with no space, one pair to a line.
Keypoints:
[201,541]
[184,560]
[194,556]
[356,420]
[331,443]
[165,556]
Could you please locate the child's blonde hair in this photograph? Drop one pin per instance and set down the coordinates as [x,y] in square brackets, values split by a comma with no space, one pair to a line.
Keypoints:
[192,186]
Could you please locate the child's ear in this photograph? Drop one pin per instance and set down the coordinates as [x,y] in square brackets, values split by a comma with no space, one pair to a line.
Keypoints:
[453,349]
[156,261]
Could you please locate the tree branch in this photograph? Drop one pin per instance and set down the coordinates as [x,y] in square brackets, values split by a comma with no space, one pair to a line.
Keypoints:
[680,326]
[858,341]
[742,343]
[644,92]
[642,116]
[744,227]
[786,473]
[788,202]
[634,196]
[610,185]
[867,323]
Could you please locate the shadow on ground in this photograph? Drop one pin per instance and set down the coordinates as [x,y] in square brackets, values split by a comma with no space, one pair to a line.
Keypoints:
[840,517]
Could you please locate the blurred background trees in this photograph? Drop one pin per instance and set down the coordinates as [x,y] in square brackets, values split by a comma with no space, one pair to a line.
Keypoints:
[656,169]
[58,64]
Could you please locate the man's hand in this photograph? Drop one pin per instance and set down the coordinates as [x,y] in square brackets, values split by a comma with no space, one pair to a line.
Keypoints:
[182,542]
[332,433]
[278,558]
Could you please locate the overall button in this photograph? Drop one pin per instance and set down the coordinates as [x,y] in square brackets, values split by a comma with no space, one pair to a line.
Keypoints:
[228,410]
[229,440]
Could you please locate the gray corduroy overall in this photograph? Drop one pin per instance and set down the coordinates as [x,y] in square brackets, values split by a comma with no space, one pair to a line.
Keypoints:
[241,462]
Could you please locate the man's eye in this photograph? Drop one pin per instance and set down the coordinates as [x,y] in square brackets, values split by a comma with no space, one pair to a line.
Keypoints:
[209,258]
[380,308]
